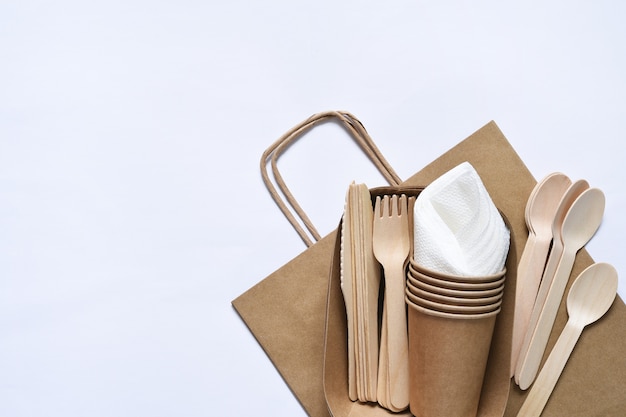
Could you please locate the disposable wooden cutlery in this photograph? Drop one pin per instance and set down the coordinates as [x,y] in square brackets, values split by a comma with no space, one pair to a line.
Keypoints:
[391,244]
[590,296]
[360,283]
[552,263]
[540,211]
[580,224]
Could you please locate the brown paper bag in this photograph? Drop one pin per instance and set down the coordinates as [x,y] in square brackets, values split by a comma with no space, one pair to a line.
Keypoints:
[287,310]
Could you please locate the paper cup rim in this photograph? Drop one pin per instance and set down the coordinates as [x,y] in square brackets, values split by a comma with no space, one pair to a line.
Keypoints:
[456,285]
[452,292]
[473,286]
[452,300]
[454,316]
[453,277]
[447,308]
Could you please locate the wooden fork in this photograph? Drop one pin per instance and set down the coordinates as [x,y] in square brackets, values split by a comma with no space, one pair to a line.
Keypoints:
[391,245]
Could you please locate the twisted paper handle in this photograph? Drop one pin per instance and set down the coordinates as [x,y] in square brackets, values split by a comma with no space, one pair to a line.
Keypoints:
[271,155]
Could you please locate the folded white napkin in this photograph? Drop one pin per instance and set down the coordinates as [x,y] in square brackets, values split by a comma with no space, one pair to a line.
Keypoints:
[458,229]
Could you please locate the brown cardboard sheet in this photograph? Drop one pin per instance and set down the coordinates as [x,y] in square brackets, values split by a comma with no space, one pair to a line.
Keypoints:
[287,311]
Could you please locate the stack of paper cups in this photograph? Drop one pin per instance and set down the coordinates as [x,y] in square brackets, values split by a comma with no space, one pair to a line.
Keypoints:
[450,323]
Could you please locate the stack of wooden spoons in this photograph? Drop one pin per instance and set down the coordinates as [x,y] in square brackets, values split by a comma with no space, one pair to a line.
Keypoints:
[562,216]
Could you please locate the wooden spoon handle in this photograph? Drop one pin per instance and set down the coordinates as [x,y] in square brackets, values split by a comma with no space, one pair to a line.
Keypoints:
[546,281]
[528,365]
[540,299]
[529,272]
[551,371]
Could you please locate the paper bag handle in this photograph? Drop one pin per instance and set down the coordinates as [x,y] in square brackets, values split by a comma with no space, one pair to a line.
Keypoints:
[271,154]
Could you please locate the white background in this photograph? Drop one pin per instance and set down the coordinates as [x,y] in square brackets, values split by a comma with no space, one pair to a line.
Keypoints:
[132,210]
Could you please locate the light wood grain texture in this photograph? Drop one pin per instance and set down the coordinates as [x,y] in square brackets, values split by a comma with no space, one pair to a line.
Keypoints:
[346,289]
[580,224]
[591,295]
[391,244]
[540,212]
[360,282]
[556,252]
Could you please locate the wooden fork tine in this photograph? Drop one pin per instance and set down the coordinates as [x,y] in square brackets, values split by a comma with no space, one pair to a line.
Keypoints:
[391,248]
[395,206]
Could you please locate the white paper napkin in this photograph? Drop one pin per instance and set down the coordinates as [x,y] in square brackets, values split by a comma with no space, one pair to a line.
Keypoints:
[458,229]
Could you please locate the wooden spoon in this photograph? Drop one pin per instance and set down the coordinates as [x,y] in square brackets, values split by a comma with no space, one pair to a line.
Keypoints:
[580,224]
[540,211]
[572,193]
[531,197]
[591,295]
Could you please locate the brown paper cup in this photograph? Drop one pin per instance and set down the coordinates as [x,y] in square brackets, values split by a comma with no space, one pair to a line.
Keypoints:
[454,278]
[447,361]
[452,292]
[459,301]
[452,308]
[482,283]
